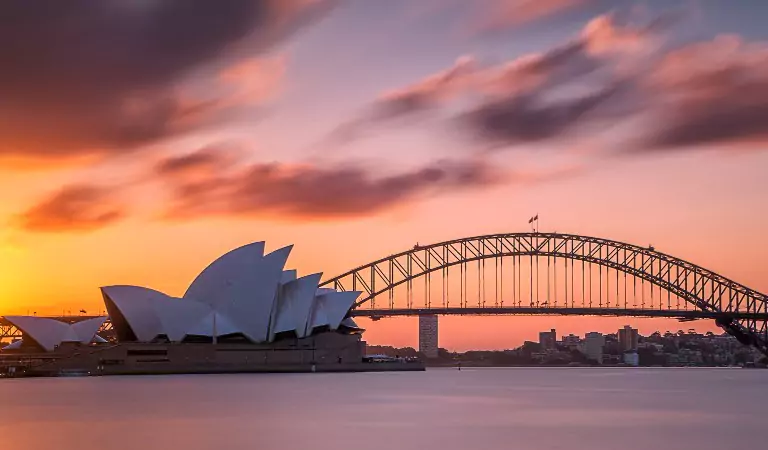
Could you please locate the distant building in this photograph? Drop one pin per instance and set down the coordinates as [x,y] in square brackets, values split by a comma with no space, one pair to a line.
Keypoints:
[547,339]
[593,346]
[428,335]
[571,341]
[628,338]
[631,359]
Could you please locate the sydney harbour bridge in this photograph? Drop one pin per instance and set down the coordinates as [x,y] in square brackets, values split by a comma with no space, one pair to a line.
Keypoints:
[537,273]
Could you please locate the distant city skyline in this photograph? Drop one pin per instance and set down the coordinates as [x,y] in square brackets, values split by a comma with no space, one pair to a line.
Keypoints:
[625,347]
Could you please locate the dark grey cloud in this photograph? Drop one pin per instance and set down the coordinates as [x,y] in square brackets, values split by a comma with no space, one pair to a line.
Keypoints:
[82,77]
[520,89]
[729,120]
[203,161]
[306,191]
[711,93]
[696,95]
[529,118]
[555,66]
[406,104]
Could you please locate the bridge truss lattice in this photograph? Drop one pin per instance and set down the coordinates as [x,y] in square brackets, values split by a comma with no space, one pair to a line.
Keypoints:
[554,273]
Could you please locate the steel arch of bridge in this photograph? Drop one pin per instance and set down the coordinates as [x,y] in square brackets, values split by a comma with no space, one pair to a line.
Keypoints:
[740,310]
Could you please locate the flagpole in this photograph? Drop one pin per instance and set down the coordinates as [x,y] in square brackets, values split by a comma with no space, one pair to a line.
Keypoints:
[215,337]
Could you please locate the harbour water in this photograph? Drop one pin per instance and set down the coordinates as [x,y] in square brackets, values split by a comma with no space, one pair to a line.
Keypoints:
[483,408]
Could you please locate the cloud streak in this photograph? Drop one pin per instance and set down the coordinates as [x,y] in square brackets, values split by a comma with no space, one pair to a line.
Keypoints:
[214,182]
[613,73]
[518,93]
[507,14]
[525,118]
[306,191]
[711,93]
[75,208]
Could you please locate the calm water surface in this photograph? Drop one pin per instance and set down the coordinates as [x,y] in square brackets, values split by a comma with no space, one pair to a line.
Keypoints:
[448,409]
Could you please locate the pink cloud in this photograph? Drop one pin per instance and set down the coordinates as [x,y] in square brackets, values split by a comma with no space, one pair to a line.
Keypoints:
[614,71]
[252,80]
[79,207]
[512,13]
[202,185]
[711,93]
[524,82]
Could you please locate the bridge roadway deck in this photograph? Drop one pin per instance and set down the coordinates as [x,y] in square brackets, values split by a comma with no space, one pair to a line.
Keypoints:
[555,311]
[67,319]
[517,310]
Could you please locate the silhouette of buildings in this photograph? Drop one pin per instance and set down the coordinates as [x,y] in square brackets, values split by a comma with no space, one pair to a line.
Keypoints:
[593,346]
[548,339]
[628,339]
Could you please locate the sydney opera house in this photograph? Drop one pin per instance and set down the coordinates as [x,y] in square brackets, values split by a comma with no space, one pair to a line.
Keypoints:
[243,313]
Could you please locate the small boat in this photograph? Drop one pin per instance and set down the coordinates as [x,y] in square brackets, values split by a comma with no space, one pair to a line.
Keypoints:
[73,373]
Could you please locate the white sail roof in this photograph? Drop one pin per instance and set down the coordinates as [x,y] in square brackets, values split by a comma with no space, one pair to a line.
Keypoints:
[319,318]
[213,323]
[49,333]
[248,299]
[294,305]
[85,330]
[335,305]
[137,305]
[350,323]
[15,345]
[330,307]
[243,291]
[288,275]
[177,316]
[228,268]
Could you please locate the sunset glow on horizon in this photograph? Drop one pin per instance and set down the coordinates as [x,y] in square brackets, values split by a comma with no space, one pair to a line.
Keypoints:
[137,144]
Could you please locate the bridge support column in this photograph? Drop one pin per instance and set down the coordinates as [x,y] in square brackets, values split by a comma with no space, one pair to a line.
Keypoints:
[428,343]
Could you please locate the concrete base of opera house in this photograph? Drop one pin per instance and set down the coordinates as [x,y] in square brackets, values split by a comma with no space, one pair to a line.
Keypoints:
[325,352]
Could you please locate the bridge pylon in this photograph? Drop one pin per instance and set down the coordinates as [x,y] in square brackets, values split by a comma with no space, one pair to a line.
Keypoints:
[428,335]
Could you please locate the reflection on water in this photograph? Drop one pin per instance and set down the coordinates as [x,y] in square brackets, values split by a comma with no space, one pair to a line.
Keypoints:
[512,408]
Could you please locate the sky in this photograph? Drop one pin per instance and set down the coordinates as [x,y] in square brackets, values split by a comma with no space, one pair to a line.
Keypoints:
[141,139]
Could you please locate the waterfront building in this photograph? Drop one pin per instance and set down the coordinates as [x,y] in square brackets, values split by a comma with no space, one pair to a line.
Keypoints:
[547,339]
[243,313]
[571,341]
[428,343]
[628,339]
[593,346]
[243,295]
[632,359]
